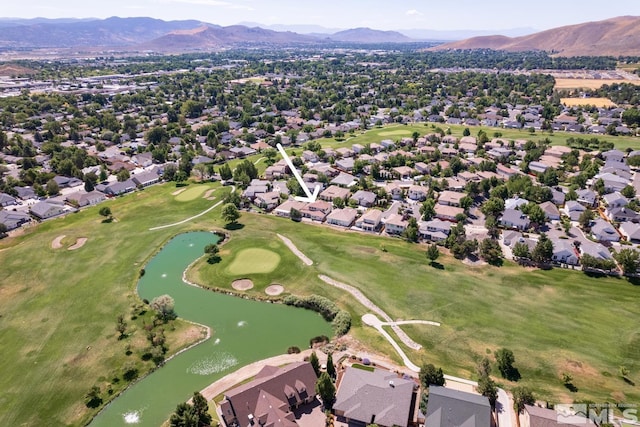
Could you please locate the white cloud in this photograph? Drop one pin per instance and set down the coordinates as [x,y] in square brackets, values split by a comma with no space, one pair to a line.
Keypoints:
[413,12]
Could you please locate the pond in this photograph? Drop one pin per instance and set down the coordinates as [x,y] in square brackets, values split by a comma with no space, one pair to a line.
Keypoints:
[243,331]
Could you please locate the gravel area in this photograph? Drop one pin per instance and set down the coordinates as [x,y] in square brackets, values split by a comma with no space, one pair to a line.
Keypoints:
[305,259]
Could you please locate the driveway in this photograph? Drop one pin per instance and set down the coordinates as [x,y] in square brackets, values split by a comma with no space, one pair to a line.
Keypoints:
[504,408]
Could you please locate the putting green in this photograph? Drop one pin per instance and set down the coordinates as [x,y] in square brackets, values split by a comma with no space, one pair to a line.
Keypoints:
[395,133]
[254,260]
[192,193]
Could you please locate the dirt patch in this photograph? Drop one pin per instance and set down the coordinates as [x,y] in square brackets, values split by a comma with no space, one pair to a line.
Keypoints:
[208,194]
[274,290]
[589,83]
[175,193]
[78,244]
[242,284]
[57,242]
[474,263]
[597,102]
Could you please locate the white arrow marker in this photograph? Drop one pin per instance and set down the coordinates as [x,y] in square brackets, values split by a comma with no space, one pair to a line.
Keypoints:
[310,197]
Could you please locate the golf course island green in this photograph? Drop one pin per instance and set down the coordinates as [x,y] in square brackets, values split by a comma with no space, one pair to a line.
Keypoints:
[254,261]
[243,331]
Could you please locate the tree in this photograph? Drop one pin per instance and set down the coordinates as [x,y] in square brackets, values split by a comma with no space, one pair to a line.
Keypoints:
[52,188]
[493,207]
[629,260]
[90,181]
[430,375]
[522,396]
[230,213]
[331,369]
[315,363]
[433,253]
[585,218]
[491,251]
[123,175]
[629,192]
[295,215]
[225,172]
[543,252]
[105,211]
[164,306]
[338,202]
[484,367]
[326,390]
[213,251]
[536,214]
[411,232]
[428,209]
[121,326]
[488,388]
[505,360]
[92,399]
[191,415]
[521,250]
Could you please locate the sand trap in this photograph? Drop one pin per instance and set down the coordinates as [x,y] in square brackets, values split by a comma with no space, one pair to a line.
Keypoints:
[175,193]
[208,194]
[274,290]
[57,242]
[78,244]
[242,284]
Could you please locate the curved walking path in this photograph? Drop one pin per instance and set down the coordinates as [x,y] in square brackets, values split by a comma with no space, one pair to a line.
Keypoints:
[206,211]
[371,306]
[305,259]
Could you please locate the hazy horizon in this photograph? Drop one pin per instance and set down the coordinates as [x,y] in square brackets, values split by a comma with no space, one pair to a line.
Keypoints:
[491,15]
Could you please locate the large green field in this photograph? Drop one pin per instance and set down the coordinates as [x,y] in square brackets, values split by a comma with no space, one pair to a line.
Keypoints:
[58,308]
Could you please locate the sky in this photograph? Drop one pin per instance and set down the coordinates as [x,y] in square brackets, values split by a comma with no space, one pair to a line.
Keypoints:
[378,14]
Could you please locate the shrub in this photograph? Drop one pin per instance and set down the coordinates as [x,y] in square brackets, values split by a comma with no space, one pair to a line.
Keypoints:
[341,320]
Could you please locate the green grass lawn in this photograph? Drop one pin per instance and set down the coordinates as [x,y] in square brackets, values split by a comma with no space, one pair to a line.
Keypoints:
[398,131]
[254,261]
[192,192]
[58,308]
[554,321]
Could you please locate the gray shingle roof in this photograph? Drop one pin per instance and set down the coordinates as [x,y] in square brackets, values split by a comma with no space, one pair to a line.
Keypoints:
[453,408]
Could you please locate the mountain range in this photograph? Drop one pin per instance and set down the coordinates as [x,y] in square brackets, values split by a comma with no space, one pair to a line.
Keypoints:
[616,37]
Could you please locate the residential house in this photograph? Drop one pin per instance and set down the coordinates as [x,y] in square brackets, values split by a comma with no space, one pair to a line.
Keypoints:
[422,168]
[364,198]
[614,200]
[573,209]
[309,156]
[344,180]
[13,220]
[334,192]
[603,231]
[435,230]
[557,197]
[450,198]
[613,156]
[117,188]
[394,190]
[66,182]
[417,192]
[513,218]
[317,211]
[403,172]
[143,159]
[82,198]
[596,250]
[551,211]
[538,167]
[268,399]
[505,171]
[25,193]
[587,197]
[146,178]
[395,224]
[284,210]
[375,397]
[564,252]
[622,215]
[514,202]
[370,221]
[535,416]
[267,201]
[447,213]
[630,231]
[7,200]
[345,164]
[452,408]
[46,209]
[342,217]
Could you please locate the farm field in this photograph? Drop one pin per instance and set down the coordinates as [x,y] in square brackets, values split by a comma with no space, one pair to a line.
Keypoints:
[589,83]
[597,102]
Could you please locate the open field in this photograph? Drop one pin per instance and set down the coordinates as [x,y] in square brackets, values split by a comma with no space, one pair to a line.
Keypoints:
[554,321]
[597,102]
[399,132]
[589,83]
[254,261]
[58,308]
[557,138]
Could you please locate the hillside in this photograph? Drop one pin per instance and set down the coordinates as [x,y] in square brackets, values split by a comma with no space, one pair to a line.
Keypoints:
[211,37]
[368,35]
[615,37]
